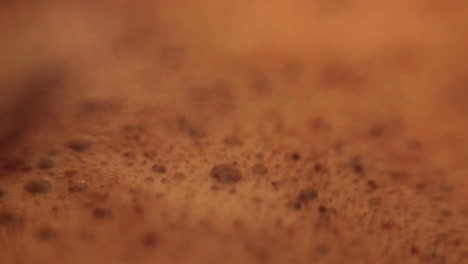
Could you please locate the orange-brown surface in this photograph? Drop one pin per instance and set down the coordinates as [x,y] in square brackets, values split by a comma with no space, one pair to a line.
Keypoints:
[284,131]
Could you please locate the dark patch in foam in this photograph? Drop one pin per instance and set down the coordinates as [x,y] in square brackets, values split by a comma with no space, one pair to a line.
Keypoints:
[226,173]
[28,111]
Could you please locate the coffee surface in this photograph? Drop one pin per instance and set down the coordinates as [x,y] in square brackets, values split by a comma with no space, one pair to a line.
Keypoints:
[233,131]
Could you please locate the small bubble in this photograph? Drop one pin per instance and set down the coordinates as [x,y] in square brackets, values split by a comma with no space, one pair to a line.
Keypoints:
[319,124]
[295,205]
[70,173]
[102,213]
[150,154]
[357,166]
[37,186]
[226,173]
[232,141]
[133,128]
[78,187]
[445,188]
[159,168]
[464,212]
[259,83]
[308,194]
[180,176]
[149,240]
[414,250]
[377,130]
[414,145]
[295,156]
[322,249]
[322,209]
[399,175]
[186,126]
[257,199]
[319,167]
[45,164]
[275,185]
[7,218]
[375,201]
[259,169]
[372,184]
[336,74]
[149,179]
[138,209]
[79,144]
[446,212]
[46,234]
[129,155]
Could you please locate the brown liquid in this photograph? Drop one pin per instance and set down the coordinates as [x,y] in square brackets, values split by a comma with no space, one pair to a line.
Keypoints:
[233,132]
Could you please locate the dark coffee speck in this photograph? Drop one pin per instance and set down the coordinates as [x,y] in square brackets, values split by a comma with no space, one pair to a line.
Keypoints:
[226,173]
[307,194]
[37,186]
